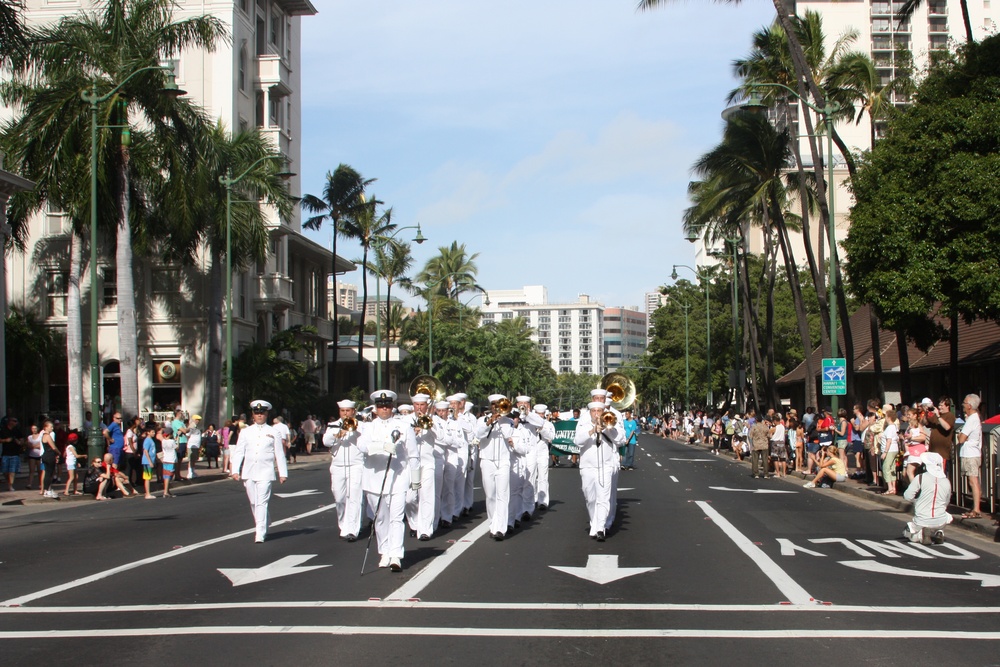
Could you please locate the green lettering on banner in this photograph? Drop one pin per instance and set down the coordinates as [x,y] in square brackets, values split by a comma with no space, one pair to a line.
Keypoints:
[563,444]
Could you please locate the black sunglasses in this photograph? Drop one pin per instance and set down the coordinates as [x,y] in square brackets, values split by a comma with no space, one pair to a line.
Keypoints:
[259,411]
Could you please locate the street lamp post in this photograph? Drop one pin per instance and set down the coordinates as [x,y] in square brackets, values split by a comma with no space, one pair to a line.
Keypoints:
[228,182]
[687,359]
[377,243]
[708,327]
[91,97]
[827,113]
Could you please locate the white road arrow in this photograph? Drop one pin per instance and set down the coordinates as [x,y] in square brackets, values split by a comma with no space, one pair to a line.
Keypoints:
[693,459]
[298,494]
[626,489]
[723,488]
[279,568]
[985,580]
[603,570]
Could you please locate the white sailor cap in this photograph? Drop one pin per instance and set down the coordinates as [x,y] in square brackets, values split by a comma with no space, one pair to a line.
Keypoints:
[420,398]
[468,407]
[599,392]
[523,399]
[461,397]
[441,405]
[346,403]
[405,409]
[540,408]
[453,397]
[260,405]
[595,404]
[383,396]
[493,398]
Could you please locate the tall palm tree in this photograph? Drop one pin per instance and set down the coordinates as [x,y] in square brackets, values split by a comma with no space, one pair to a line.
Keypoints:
[366,225]
[392,260]
[99,51]
[451,273]
[343,196]
[910,6]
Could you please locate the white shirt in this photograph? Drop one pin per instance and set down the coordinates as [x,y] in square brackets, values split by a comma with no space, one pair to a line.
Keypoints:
[495,447]
[890,436]
[257,452]
[972,448]
[280,429]
[779,433]
[169,447]
[593,455]
[344,451]
[375,438]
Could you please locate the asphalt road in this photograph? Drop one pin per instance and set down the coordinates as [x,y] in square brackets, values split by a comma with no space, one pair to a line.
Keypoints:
[705,565]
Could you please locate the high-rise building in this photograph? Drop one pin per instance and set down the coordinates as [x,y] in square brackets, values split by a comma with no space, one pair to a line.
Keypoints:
[570,335]
[654,300]
[625,335]
[252,79]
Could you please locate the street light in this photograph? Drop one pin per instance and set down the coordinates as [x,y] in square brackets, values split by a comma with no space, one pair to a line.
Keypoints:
[708,327]
[228,182]
[827,113]
[687,359]
[380,242]
[91,97]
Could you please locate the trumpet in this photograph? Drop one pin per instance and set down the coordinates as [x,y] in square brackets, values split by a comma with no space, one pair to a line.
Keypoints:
[608,420]
[425,422]
[348,425]
[501,409]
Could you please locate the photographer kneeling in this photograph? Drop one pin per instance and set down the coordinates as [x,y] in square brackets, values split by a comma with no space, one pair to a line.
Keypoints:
[930,492]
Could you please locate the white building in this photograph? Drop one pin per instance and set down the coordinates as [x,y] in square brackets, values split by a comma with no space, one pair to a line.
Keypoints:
[570,335]
[654,300]
[626,331]
[253,79]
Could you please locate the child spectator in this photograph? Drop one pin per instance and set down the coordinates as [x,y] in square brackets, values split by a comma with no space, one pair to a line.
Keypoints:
[915,441]
[169,447]
[112,477]
[193,444]
[71,464]
[148,459]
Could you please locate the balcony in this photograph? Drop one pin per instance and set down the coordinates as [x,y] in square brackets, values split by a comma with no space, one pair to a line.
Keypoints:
[272,72]
[274,292]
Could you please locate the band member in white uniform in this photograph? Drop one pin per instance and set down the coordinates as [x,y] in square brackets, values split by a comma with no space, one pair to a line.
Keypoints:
[421,506]
[391,462]
[602,395]
[472,461]
[545,432]
[257,453]
[520,490]
[598,446]
[448,439]
[346,468]
[462,431]
[496,439]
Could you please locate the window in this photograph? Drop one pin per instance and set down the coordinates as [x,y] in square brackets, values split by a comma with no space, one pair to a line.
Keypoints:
[261,37]
[275,111]
[110,281]
[245,5]
[55,221]
[166,288]
[260,109]
[243,67]
[57,292]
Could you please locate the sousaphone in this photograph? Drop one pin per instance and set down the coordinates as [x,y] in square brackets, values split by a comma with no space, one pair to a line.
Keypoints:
[427,384]
[620,388]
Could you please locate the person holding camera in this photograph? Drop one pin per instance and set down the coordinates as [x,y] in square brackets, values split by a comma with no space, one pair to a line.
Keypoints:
[930,492]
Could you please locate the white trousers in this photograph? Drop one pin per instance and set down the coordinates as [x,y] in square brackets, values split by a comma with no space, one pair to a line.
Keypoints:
[541,454]
[496,486]
[420,505]
[259,494]
[613,502]
[389,527]
[345,482]
[597,496]
[450,480]
[469,493]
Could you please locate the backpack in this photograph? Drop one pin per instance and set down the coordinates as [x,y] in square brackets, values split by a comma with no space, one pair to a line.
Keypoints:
[729,428]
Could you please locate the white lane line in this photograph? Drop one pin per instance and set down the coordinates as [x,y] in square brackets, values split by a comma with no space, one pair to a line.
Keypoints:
[422,579]
[501,606]
[152,559]
[872,634]
[796,594]
[659,465]
[674,478]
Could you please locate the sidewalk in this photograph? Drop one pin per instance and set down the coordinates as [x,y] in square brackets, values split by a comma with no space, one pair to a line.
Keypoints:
[859,489]
[24,496]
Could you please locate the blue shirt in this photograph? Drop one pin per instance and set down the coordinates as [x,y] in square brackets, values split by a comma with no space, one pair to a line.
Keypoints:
[631,429]
[148,452]
[117,437]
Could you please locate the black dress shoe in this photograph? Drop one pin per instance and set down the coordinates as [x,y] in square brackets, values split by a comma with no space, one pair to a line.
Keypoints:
[600,536]
[543,507]
[525,517]
[351,538]
[465,511]
[425,538]
[498,537]
[446,524]
[517,524]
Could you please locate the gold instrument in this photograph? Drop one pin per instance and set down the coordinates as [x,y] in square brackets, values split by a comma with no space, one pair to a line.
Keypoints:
[609,420]
[501,408]
[349,424]
[427,384]
[620,389]
[425,422]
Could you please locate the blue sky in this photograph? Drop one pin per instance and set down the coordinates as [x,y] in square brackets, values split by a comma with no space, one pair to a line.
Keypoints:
[552,137]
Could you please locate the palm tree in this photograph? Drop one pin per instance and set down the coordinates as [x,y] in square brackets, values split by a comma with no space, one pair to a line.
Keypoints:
[910,6]
[392,260]
[451,273]
[100,51]
[365,226]
[343,196]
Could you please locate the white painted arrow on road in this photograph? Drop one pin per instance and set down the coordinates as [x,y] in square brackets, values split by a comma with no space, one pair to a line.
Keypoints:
[985,580]
[279,568]
[693,459]
[723,488]
[298,494]
[603,570]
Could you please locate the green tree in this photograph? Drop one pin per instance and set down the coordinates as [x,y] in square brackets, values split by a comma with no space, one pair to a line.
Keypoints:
[273,371]
[451,273]
[927,205]
[392,260]
[31,350]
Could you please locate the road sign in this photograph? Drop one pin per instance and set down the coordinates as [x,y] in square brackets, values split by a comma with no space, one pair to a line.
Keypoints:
[834,376]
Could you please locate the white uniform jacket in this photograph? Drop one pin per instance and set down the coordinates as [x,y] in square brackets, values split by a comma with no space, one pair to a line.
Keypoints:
[593,455]
[494,439]
[344,451]
[375,438]
[257,452]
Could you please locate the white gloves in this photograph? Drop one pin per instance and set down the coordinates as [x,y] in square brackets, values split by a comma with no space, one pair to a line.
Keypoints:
[389,447]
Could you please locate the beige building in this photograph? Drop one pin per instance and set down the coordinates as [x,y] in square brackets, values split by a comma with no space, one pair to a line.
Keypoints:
[253,79]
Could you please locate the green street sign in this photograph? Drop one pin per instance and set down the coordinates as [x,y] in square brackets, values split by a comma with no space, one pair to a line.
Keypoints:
[834,377]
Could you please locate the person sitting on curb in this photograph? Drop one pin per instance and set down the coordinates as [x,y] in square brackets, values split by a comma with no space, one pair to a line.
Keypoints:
[930,492]
[831,467]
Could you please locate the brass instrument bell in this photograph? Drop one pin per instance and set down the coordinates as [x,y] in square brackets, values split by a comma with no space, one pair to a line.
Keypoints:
[620,389]
[429,385]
